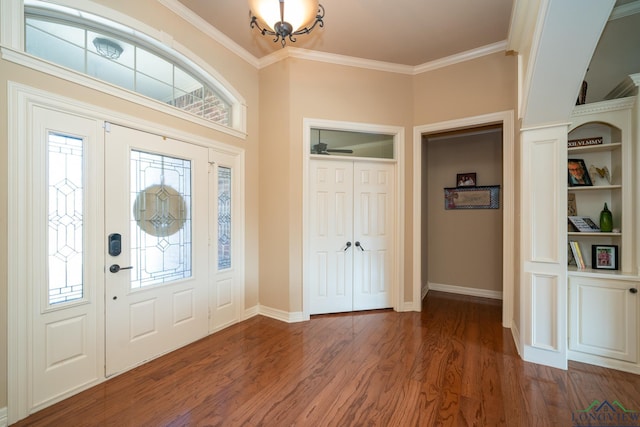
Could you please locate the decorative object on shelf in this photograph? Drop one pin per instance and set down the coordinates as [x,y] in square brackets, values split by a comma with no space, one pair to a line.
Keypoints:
[604,257]
[584,142]
[577,254]
[578,175]
[572,210]
[584,224]
[602,173]
[582,96]
[466,179]
[606,219]
[484,197]
[285,19]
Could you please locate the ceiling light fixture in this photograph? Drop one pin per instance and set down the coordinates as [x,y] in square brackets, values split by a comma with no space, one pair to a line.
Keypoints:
[271,17]
[107,48]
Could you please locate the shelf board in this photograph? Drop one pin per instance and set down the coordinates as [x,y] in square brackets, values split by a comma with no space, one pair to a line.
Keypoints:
[601,273]
[595,188]
[593,234]
[595,148]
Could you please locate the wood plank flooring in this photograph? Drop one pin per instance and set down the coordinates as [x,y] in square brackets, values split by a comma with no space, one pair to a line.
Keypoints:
[451,365]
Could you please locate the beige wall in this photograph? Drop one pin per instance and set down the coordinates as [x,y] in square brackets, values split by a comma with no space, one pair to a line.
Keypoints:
[471,88]
[236,71]
[465,245]
[319,91]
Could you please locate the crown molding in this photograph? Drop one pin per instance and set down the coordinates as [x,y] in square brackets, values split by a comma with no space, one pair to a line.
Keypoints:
[332,58]
[468,55]
[188,15]
[293,52]
[625,10]
[604,106]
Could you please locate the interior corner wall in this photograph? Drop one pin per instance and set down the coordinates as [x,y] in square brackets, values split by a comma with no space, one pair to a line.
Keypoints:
[275,179]
[464,245]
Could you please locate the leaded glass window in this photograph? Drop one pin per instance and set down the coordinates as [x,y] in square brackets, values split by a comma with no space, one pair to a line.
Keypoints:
[224,218]
[161,244]
[65,219]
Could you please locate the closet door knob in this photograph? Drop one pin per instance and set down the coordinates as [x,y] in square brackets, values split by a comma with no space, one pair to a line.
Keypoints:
[347,246]
[633,290]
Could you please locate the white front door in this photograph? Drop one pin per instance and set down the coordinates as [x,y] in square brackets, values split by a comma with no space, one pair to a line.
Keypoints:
[157,246]
[351,247]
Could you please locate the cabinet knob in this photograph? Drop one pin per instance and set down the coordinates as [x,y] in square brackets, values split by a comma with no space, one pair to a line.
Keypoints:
[633,290]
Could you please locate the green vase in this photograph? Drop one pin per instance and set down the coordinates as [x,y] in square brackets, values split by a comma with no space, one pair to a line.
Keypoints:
[606,221]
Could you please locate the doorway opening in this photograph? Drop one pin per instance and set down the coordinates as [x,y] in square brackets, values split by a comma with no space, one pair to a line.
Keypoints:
[442,151]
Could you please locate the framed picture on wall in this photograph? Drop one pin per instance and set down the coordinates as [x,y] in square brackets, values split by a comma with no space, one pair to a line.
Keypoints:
[466,179]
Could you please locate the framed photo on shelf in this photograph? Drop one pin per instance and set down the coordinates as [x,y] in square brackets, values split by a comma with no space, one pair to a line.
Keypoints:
[604,257]
[466,179]
[578,174]
[584,224]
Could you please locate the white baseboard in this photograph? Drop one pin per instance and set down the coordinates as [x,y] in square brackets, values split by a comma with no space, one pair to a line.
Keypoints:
[283,316]
[474,292]
[515,334]
[251,312]
[3,417]
[409,306]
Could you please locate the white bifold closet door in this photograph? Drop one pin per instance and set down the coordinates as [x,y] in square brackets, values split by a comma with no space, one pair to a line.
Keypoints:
[351,247]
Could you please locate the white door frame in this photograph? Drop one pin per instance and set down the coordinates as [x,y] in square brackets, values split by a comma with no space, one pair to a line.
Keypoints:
[21,99]
[397,282]
[506,118]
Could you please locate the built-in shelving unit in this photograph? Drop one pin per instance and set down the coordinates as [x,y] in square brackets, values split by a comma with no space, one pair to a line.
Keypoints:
[604,305]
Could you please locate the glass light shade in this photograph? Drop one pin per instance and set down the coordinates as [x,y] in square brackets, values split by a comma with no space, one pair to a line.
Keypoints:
[298,13]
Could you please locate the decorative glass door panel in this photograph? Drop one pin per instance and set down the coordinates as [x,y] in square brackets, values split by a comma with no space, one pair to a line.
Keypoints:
[157,225]
[161,234]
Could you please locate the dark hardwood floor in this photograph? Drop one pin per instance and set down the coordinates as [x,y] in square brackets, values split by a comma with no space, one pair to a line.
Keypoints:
[452,365]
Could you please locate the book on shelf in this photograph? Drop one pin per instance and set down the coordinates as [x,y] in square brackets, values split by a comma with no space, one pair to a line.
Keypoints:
[584,224]
[577,254]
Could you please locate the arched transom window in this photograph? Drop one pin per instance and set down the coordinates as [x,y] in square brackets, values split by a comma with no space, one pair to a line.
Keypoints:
[125,58]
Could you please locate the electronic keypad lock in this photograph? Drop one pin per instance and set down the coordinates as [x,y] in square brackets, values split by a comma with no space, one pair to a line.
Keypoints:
[115,244]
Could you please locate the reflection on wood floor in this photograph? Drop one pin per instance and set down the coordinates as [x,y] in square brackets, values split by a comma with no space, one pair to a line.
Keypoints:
[452,364]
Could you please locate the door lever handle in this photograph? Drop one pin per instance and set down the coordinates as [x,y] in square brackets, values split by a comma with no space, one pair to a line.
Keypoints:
[114,268]
[358,245]
[348,246]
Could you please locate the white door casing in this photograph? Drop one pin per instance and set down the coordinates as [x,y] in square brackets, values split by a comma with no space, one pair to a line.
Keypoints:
[159,207]
[351,247]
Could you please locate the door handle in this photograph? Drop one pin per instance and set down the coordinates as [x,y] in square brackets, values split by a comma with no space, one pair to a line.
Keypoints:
[347,246]
[358,245]
[633,290]
[114,268]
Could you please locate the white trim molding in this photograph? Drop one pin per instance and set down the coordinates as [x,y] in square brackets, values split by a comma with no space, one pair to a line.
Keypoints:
[4,421]
[283,316]
[397,281]
[462,290]
[506,118]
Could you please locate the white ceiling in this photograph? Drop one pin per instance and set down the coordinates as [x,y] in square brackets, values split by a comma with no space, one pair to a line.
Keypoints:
[416,32]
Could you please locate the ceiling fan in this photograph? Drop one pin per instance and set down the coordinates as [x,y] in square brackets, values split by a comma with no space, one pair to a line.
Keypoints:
[323,148]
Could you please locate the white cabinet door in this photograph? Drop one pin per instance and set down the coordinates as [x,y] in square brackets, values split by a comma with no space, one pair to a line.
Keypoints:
[603,317]
[351,246]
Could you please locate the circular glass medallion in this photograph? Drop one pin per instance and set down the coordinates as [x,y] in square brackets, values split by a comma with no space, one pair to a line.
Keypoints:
[159,210]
